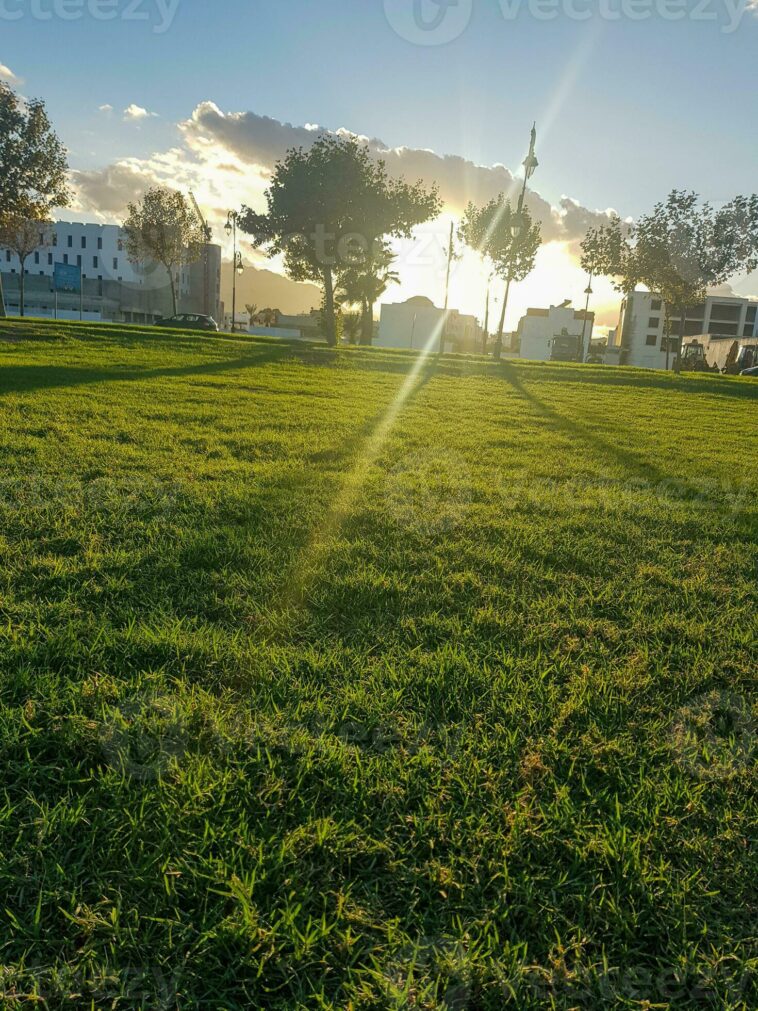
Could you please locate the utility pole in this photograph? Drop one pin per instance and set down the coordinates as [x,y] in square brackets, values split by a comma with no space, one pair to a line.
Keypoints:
[237,267]
[447,289]
[486,335]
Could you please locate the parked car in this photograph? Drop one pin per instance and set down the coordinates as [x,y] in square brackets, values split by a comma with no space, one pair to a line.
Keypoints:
[189,321]
[750,372]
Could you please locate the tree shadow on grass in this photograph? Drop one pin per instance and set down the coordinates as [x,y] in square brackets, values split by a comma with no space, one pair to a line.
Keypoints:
[24,378]
[639,467]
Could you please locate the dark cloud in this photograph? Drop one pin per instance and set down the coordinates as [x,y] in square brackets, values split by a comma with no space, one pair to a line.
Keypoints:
[110,189]
[262,141]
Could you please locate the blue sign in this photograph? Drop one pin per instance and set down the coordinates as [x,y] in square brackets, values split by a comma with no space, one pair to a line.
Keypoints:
[67,277]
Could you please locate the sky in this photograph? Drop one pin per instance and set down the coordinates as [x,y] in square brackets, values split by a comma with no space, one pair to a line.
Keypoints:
[631,98]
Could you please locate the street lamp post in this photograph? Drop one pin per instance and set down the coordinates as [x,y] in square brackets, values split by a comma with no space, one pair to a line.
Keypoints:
[589,294]
[237,266]
[517,227]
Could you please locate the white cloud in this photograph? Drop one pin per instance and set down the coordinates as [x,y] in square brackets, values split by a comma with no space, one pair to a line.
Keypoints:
[107,109]
[7,75]
[260,141]
[134,113]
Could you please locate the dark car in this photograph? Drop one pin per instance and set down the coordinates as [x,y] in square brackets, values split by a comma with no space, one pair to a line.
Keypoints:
[750,372]
[189,321]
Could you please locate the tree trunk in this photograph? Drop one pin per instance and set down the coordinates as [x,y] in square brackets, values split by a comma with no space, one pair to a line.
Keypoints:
[667,331]
[680,342]
[501,327]
[2,298]
[330,324]
[22,290]
[367,324]
[173,290]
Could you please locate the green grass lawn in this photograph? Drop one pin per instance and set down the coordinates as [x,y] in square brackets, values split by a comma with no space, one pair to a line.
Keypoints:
[340,679]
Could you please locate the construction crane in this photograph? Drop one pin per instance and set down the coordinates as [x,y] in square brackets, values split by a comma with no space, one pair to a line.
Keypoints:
[206,258]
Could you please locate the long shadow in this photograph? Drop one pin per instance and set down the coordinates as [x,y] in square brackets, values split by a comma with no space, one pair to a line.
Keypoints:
[22,378]
[639,466]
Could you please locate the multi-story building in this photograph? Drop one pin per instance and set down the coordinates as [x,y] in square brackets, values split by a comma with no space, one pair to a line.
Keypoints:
[537,331]
[640,338]
[113,288]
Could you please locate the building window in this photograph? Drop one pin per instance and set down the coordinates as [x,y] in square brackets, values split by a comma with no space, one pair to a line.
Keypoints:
[78,261]
[65,258]
[7,256]
[726,313]
[55,238]
[49,259]
[717,329]
[36,257]
[94,262]
[100,242]
[120,245]
[84,242]
[656,305]
[653,323]
[652,340]
[115,263]
[70,242]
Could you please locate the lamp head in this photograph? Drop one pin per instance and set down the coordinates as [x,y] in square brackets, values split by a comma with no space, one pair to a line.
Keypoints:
[530,166]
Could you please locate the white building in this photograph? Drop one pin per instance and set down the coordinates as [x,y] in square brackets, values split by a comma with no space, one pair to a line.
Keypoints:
[640,337]
[113,286]
[538,330]
[417,325]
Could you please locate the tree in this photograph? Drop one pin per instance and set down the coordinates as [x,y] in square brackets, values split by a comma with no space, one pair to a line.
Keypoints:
[252,312]
[33,164]
[679,250]
[164,227]
[363,285]
[508,241]
[22,236]
[328,208]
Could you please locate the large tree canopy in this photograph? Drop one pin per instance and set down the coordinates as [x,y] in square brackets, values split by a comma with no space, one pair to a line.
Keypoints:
[329,210]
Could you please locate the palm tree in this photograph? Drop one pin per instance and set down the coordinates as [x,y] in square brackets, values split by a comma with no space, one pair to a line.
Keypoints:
[364,284]
[252,311]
